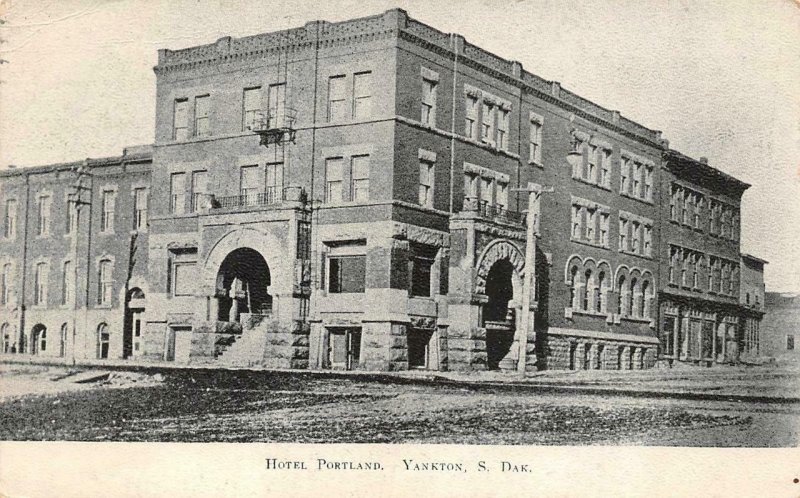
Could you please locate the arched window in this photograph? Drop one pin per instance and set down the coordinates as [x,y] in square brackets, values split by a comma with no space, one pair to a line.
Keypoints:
[600,305]
[632,298]
[587,297]
[103,339]
[573,287]
[63,346]
[5,284]
[5,334]
[620,297]
[643,307]
[39,333]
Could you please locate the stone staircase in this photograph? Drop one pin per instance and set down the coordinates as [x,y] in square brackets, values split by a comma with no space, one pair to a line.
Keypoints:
[246,350]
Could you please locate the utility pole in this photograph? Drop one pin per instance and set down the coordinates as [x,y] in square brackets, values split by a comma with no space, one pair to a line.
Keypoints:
[535,192]
[76,197]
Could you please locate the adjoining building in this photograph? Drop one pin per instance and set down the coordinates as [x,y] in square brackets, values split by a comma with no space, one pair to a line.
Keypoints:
[752,297]
[354,195]
[780,330]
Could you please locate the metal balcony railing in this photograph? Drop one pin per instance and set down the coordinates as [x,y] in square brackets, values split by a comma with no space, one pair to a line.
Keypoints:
[256,198]
[493,211]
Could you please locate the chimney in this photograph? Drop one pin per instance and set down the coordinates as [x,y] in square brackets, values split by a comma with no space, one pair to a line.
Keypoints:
[704,159]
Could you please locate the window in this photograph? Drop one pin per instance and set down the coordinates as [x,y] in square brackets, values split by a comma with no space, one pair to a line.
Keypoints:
[40,284]
[591,220]
[648,183]
[587,297]
[72,216]
[347,274]
[576,221]
[471,117]
[604,160]
[43,205]
[180,120]
[502,195]
[140,208]
[333,179]
[604,228]
[573,287]
[673,202]
[502,129]
[103,341]
[250,184]
[428,116]
[636,180]
[10,226]
[693,268]
[67,282]
[425,183]
[621,295]
[251,108]
[421,261]
[5,284]
[623,234]
[698,207]
[625,173]
[337,102]
[360,178]
[362,95]
[591,173]
[471,185]
[184,277]
[274,182]
[648,240]
[789,342]
[109,201]
[535,141]
[277,105]
[686,210]
[600,293]
[202,126]
[486,189]
[199,181]
[177,193]
[487,130]
[105,282]
[636,237]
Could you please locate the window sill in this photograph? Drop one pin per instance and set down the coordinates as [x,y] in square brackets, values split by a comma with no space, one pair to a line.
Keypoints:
[638,255]
[594,184]
[590,244]
[595,314]
[107,232]
[103,306]
[635,319]
[640,199]
[537,164]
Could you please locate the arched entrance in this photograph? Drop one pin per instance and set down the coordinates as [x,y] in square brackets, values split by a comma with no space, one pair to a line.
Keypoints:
[39,334]
[499,318]
[132,327]
[242,285]
[103,341]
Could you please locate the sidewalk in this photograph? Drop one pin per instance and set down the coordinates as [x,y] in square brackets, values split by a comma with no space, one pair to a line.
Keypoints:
[759,384]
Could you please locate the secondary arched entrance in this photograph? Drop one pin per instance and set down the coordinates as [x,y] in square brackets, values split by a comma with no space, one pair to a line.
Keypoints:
[499,318]
[242,285]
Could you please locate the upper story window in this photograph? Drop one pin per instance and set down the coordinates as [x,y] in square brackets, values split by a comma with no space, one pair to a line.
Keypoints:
[487,127]
[333,179]
[5,284]
[40,284]
[535,139]
[251,108]
[182,279]
[277,105]
[428,111]
[471,117]
[274,182]
[199,189]
[360,178]
[177,193]
[595,167]
[636,234]
[502,195]
[590,222]
[502,128]
[43,208]
[180,120]
[250,184]
[337,98]
[202,107]
[140,199]
[105,282]
[421,260]
[67,282]
[72,217]
[109,201]
[362,95]
[636,177]
[10,216]
[426,182]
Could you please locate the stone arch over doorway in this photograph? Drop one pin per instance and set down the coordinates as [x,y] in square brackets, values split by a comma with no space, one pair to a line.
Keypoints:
[495,251]
[242,285]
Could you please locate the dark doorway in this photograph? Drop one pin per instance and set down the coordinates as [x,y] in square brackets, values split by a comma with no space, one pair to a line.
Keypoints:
[498,319]
[39,333]
[419,348]
[242,284]
[103,341]
[132,328]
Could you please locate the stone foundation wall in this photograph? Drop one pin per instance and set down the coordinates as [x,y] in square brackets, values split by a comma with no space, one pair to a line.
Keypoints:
[559,349]
[384,346]
[287,346]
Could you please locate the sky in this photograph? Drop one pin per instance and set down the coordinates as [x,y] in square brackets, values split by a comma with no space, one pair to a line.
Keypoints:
[720,78]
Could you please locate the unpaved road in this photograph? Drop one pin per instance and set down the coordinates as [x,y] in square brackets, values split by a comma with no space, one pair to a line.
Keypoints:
[202,405]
